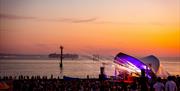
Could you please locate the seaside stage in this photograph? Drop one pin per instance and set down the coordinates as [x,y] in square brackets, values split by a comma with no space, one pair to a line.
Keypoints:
[128,65]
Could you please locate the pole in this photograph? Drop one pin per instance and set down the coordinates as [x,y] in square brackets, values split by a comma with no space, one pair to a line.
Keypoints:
[61,57]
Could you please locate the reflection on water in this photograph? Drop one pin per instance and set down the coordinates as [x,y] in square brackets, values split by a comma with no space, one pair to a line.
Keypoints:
[172,66]
[47,67]
[78,68]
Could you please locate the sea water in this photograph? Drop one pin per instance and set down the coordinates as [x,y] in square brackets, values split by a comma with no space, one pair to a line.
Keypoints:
[72,68]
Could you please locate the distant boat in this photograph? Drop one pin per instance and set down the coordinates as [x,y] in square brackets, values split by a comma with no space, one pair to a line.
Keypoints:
[69,78]
[95,57]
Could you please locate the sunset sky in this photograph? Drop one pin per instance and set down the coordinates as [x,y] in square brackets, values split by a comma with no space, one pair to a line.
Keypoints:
[105,27]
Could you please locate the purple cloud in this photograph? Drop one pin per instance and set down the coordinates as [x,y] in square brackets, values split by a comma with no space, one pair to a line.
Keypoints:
[8,16]
[70,20]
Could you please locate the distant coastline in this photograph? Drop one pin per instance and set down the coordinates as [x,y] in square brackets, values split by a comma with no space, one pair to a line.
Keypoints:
[67,56]
[43,57]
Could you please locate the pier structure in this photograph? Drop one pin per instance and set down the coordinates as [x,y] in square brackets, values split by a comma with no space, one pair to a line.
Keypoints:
[61,57]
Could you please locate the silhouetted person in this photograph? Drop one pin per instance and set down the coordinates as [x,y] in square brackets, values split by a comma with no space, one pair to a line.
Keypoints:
[144,84]
[170,85]
[158,86]
[133,86]
[102,76]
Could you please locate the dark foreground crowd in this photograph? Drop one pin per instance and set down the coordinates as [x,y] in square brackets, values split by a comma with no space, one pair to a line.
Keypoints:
[37,83]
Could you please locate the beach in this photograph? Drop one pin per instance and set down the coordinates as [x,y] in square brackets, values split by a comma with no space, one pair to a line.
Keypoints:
[38,83]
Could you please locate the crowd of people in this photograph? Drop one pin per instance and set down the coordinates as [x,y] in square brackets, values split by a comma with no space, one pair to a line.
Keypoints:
[37,83]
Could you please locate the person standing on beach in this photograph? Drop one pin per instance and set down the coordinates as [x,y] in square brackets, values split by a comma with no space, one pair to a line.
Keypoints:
[144,86]
[170,85]
[158,86]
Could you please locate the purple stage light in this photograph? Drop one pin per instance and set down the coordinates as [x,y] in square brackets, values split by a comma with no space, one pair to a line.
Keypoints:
[133,63]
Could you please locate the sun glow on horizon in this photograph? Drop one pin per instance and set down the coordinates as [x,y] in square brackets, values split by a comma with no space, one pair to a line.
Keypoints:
[103,26]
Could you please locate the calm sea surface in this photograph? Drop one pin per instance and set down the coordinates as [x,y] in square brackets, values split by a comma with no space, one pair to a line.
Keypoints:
[73,68]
